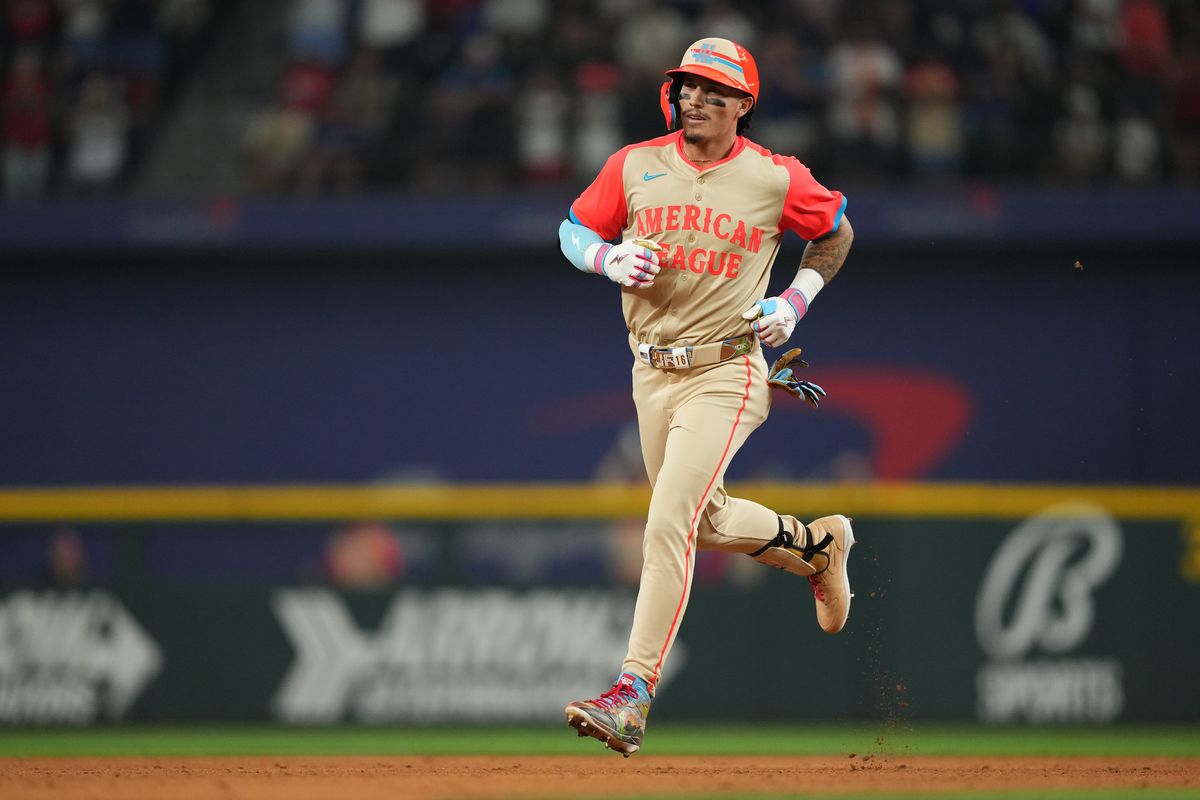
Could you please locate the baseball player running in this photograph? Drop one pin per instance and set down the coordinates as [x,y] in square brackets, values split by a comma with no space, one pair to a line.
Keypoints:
[699,215]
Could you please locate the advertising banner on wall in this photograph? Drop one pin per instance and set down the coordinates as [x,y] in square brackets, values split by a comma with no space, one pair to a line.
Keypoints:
[1069,616]
[71,658]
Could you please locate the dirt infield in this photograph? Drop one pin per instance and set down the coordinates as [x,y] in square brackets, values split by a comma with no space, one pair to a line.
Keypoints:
[441,778]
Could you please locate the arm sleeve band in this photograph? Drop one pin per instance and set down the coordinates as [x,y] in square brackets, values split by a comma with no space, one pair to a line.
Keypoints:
[575,240]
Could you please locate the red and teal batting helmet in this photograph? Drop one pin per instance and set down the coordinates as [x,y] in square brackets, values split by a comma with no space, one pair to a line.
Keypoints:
[719,60]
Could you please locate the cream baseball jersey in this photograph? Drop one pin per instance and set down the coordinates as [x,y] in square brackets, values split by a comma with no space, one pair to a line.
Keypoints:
[720,226]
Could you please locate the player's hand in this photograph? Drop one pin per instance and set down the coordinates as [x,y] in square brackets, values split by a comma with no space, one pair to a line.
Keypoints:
[633,263]
[772,320]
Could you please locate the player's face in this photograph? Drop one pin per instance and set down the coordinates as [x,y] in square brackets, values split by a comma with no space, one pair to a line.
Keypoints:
[710,110]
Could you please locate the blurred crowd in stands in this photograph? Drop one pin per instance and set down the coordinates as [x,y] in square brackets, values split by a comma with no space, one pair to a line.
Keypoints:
[477,95]
[84,82]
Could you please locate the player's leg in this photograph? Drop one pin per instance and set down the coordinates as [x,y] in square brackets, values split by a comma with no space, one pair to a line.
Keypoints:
[714,411]
[652,390]
[817,551]
[736,525]
[618,716]
[691,428]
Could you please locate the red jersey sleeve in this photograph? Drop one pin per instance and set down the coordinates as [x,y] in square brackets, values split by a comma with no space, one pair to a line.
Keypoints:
[602,205]
[809,209]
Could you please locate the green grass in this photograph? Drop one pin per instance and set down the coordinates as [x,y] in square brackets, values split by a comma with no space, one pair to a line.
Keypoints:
[666,739]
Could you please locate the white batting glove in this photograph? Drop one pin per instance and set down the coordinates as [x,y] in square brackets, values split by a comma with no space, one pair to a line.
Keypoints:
[774,318]
[633,263]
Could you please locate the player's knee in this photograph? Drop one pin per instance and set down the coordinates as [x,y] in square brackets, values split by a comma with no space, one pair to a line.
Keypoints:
[661,537]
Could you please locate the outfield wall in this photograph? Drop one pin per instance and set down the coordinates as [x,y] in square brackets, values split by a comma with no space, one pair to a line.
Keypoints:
[1021,604]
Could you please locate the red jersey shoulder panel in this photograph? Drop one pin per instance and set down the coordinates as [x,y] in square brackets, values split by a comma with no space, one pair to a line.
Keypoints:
[602,205]
[809,209]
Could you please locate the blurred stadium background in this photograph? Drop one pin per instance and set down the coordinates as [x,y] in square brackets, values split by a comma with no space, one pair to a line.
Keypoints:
[304,420]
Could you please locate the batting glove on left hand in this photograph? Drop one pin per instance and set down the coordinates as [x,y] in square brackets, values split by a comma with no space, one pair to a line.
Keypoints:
[774,318]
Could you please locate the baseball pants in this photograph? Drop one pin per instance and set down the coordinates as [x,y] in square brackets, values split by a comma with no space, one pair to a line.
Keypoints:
[691,424]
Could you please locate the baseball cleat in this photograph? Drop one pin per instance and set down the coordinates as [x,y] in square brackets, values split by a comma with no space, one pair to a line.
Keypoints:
[617,717]
[831,586]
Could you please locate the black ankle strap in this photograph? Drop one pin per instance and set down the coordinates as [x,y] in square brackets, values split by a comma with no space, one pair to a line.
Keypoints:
[785,539]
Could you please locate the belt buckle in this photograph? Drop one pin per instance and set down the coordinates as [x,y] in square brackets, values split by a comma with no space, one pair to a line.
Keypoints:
[673,358]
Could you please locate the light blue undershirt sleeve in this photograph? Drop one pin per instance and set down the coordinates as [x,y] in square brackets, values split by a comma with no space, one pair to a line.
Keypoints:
[574,239]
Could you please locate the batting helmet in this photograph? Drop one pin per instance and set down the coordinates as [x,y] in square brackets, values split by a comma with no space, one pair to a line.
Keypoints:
[719,60]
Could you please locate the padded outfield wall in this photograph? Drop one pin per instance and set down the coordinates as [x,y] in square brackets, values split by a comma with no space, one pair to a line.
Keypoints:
[1006,605]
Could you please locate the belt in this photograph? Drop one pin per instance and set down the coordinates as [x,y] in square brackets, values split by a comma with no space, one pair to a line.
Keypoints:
[696,355]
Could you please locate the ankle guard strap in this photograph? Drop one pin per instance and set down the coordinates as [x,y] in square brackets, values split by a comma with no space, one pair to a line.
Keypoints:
[781,552]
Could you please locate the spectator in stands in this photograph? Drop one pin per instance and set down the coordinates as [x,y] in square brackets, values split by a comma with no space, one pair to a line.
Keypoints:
[865,76]
[598,131]
[85,26]
[274,144]
[391,28]
[28,136]
[1081,137]
[541,132]
[316,31]
[278,141]
[467,140]
[307,86]
[934,122]
[1138,147]
[66,562]
[97,137]
[787,118]
[364,556]
[138,59]
[348,128]
[643,33]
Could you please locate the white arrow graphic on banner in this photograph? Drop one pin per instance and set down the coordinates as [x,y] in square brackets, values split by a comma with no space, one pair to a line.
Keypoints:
[331,653]
[59,640]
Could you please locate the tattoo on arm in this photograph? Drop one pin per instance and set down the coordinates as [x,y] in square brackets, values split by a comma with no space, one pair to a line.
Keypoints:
[827,254]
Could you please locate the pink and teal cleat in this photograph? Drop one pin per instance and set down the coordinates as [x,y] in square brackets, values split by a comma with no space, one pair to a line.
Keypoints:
[617,717]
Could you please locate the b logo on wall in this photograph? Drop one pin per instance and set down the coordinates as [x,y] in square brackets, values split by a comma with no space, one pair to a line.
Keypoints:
[451,654]
[71,657]
[1035,608]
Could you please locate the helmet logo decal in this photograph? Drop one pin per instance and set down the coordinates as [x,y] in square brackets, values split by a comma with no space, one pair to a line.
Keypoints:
[706,54]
